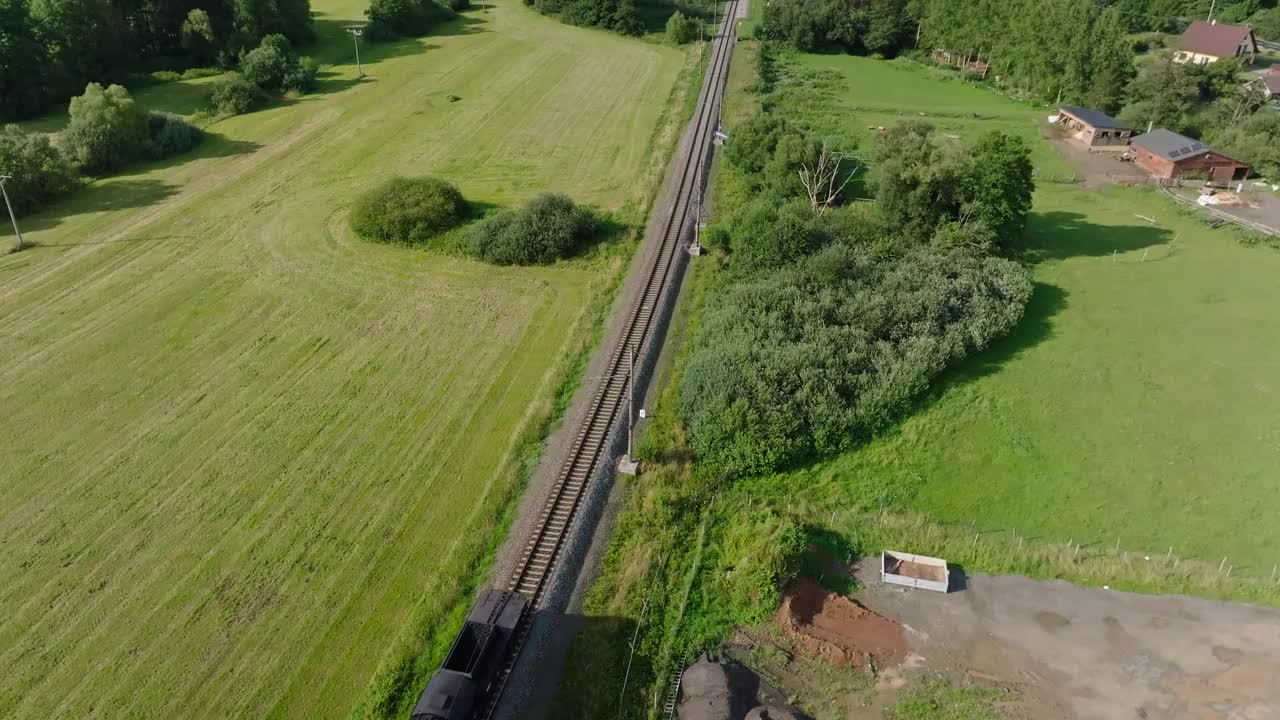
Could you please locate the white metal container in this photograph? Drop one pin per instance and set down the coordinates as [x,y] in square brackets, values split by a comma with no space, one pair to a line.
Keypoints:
[914,571]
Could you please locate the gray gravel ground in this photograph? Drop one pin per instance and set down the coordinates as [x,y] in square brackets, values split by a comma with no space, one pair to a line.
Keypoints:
[1085,653]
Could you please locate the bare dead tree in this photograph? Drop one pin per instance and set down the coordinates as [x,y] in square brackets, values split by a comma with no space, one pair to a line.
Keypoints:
[821,180]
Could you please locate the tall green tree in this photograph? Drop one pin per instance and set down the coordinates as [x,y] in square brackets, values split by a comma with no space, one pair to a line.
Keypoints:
[107,130]
[918,184]
[87,39]
[1162,95]
[23,62]
[999,185]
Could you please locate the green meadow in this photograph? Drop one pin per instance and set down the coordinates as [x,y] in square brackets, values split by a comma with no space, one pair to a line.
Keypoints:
[1135,403]
[253,462]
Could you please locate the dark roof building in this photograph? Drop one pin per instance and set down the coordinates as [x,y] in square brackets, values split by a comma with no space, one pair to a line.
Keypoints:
[1093,118]
[1271,83]
[1168,155]
[1206,42]
[1170,144]
[1096,130]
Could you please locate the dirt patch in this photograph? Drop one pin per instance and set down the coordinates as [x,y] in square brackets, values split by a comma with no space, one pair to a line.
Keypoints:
[1051,620]
[839,629]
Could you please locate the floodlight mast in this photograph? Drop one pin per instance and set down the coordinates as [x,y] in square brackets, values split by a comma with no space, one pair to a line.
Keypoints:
[355,38]
[13,218]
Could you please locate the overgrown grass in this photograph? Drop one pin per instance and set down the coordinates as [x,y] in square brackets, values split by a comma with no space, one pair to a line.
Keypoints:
[1131,406]
[852,97]
[937,698]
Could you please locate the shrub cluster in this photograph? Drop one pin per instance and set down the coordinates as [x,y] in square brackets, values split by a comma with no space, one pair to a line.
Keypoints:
[108,131]
[169,134]
[876,26]
[40,171]
[977,196]
[621,16]
[833,319]
[817,357]
[275,67]
[234,95]
[550,228]
[681,29]
[769,151]
[408,210]
[391,19]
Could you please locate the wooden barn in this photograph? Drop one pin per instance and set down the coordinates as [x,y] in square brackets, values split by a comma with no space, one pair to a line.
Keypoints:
[1094,129]
[1166,154]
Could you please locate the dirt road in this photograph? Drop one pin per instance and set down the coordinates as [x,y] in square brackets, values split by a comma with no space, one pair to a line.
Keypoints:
[1093,654]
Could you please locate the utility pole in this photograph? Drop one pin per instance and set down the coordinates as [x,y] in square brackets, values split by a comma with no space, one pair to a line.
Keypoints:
[631,395]
[18,246]
[355,38]
[1212,5]
[627,464]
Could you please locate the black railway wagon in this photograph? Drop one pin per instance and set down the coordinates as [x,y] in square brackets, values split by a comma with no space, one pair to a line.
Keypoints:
[466,677]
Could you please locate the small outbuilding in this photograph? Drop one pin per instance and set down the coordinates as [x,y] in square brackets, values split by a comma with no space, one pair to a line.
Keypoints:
[1167,155]
[1269,84]
[1208,42]
[1095,129]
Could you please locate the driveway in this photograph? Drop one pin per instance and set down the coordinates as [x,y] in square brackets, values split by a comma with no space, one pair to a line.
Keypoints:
[1092,654]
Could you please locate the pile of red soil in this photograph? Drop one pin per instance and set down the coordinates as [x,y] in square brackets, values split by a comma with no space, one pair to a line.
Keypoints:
[838,628]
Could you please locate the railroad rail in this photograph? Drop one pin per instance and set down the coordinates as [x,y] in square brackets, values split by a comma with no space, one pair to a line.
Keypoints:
[589,444]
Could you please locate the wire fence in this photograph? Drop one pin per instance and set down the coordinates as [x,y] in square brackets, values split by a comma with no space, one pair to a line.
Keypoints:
[1223,215]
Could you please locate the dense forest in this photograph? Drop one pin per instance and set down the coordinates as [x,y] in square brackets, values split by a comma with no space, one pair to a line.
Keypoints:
[50,49]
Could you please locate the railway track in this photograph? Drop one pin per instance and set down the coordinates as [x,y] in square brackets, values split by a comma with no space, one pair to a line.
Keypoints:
[590,443]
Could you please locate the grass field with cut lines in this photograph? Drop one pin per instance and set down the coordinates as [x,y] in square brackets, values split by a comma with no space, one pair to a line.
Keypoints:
[244,448]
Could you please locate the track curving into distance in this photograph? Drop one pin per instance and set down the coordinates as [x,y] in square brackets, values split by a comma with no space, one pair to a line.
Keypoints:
[609,397]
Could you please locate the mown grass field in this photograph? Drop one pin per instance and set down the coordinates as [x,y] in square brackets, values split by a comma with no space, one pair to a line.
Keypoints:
[1136,401]
[244,448]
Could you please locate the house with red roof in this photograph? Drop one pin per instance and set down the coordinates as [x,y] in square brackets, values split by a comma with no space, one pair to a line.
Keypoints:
[1205,42]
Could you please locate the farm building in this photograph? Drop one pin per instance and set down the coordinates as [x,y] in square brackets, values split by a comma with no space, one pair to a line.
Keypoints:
[1207,42]
[1269,84]
[1094,129]
[1168,155]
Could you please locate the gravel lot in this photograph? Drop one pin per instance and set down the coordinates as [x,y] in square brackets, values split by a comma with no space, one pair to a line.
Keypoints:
[1091,654]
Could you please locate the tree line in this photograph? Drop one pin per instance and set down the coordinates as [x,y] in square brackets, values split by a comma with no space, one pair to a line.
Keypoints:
[1076,52]
[51,49]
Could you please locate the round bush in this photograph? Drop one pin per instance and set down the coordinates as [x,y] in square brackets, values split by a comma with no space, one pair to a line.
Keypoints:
[408,210]
[169,134]
[301,75]
[40,171]
[107,130]
[267,64]
[389,19]
[681,29]
[234,95]
[550,228]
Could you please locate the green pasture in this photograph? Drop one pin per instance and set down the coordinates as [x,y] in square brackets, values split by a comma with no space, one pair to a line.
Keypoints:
[1136,401]
[855,96]
[250,458]
[1134,404]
